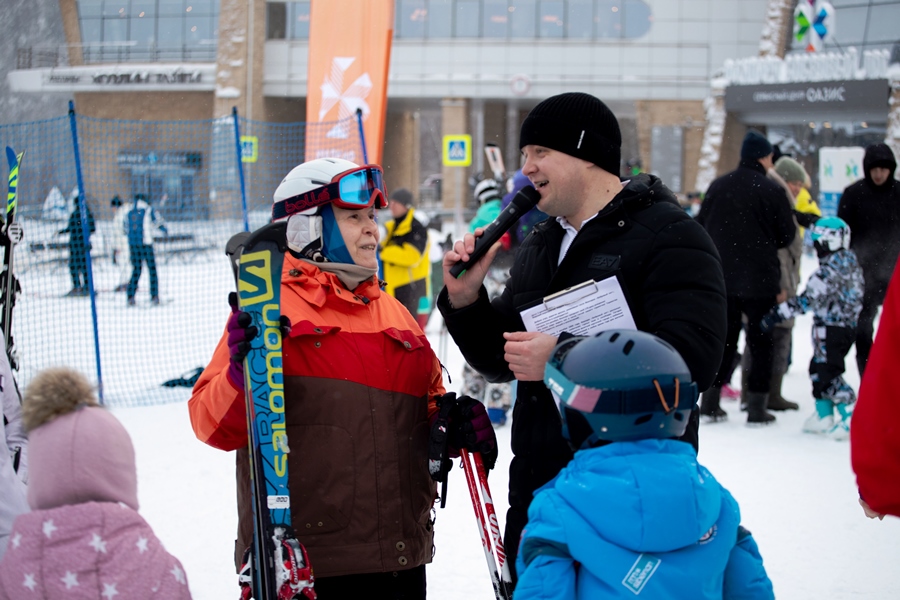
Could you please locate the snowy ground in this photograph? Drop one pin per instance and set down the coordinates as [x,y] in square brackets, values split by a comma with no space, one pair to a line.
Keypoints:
[796,491]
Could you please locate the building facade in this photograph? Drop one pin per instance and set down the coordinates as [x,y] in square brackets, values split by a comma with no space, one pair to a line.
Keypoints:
[457,66]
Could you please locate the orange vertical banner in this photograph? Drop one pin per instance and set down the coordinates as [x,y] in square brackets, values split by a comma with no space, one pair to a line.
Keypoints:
[349,57]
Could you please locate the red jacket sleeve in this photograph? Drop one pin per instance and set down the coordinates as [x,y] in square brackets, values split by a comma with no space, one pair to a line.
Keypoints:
[875,431]
[218,410]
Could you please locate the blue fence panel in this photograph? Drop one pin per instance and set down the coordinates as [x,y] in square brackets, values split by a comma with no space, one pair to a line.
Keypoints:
[163,194]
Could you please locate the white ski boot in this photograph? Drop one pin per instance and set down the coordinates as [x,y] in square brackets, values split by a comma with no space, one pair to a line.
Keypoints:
[822,420]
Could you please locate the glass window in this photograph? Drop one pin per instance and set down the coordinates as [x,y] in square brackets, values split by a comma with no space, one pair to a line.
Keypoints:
[637,18]
[198,31]
[115,30]
[90,8]
[276,17]
[608,19]
[143,8]
[143,31]
[90,31]
[580,19]
[523,23]
[171,32]
[467,18]
[171,8]
[411,18]
[115,8]
[440,18]
[851,24]
[199,7]
[496,18]
[551,19]
[882,24]
[299,20]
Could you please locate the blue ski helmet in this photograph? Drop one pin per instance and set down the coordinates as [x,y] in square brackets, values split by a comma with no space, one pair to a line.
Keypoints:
[620,385]
[830,234]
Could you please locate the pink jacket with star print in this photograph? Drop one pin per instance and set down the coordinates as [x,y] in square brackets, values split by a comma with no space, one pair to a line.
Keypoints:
[89,551]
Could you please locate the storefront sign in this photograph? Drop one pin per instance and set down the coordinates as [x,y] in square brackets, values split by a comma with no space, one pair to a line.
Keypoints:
[134,158]
[120,77]
[807,101]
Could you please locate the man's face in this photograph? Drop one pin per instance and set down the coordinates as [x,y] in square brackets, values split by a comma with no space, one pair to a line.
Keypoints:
[558,177]
[398,209]
[879,175]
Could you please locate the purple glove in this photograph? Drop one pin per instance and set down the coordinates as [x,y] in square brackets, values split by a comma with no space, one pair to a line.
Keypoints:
[472,429]
[240,332]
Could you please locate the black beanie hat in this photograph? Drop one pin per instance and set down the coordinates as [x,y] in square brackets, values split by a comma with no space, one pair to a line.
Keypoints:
[755,146]
[403,196]
[576,124]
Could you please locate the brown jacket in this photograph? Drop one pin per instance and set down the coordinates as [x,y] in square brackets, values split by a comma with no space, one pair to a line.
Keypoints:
[359,377]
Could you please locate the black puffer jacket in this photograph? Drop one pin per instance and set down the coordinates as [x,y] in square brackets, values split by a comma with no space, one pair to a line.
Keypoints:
[873,214]
[672,277]
[748,217]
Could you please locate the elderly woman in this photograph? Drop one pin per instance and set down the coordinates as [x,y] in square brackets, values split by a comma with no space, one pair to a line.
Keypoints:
[360,380]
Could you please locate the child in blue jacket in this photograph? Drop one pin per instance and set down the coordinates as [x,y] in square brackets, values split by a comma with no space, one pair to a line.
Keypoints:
[638,517]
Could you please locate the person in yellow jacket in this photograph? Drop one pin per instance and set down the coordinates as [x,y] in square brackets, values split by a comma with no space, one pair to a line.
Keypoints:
[404,252]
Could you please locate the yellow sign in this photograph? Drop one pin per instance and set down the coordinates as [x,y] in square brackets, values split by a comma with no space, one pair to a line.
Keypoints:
[457,150]
[249,148]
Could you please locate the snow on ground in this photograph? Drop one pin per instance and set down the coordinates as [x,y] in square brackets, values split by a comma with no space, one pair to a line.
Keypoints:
[796,491]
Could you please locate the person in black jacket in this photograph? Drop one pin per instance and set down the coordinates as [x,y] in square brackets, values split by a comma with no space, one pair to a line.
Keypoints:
[871,207]
[635,230]
[749,218]
[78,248]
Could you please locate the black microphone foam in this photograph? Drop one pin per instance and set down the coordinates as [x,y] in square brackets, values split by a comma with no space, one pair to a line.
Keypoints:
[525,200]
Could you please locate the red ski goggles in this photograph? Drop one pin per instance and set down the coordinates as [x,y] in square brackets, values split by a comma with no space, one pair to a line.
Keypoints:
[353,190]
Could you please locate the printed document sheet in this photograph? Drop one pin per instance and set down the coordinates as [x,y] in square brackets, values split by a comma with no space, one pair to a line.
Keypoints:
[585,309]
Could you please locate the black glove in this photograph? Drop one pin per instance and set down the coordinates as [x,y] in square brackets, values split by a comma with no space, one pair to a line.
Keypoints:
[770,319]
[471,428]
[241,332]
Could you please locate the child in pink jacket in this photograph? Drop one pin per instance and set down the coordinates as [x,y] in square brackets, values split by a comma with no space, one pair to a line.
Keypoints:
[84,538]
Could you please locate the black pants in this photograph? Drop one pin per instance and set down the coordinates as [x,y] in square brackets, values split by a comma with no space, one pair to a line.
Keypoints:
[830,346]
[396,585]
[139,254]
[865,329]
[78,266]
[759,342]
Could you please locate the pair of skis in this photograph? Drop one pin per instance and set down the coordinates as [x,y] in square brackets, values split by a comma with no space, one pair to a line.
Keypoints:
[9,284]
[278,564]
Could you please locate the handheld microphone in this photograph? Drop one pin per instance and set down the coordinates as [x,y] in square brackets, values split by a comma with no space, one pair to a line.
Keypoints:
[525,200]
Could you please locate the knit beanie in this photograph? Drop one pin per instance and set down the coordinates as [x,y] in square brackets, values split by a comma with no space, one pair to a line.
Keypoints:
[403,196]
[77,451]
[791,171]
[576,124]
[755,146]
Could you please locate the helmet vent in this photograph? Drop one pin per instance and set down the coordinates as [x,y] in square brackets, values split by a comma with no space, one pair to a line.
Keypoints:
[613,337]
[642,419]
[626,349]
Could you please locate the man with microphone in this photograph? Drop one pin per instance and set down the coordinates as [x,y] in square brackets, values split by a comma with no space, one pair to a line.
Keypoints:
[599,227]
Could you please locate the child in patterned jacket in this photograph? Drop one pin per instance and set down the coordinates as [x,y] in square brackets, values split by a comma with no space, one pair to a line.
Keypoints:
[83,538]
[834,293]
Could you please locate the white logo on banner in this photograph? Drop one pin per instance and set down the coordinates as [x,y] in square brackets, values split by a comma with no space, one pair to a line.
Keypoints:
[347,100]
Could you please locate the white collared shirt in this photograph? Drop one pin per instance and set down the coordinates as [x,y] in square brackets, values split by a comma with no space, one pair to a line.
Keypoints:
[569,235]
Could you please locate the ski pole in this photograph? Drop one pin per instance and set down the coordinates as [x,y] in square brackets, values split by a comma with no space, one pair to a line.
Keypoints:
[488,499]
[500,590]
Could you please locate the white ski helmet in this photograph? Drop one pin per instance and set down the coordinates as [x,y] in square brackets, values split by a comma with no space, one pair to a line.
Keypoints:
[304,229]
[830,234]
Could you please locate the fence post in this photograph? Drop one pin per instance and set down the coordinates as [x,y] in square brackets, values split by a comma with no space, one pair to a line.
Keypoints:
[82,206]
[362,136]
[240,166]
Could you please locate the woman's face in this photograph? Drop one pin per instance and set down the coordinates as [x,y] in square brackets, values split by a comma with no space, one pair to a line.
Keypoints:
[360,233]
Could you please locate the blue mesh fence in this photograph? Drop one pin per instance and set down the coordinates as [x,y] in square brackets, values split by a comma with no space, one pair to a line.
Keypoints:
[180,196]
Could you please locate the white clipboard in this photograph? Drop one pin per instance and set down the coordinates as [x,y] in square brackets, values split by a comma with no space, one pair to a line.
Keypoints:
[584,309]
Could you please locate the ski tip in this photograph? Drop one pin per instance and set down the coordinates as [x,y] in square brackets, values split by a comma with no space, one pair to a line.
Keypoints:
[273,232]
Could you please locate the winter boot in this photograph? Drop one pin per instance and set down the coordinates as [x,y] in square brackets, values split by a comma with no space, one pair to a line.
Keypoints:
[776,400]
[822,420]
[756,409]
[841,429]
[710,410]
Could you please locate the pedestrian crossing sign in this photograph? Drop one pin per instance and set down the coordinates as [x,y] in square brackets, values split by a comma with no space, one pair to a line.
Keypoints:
[457,150]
